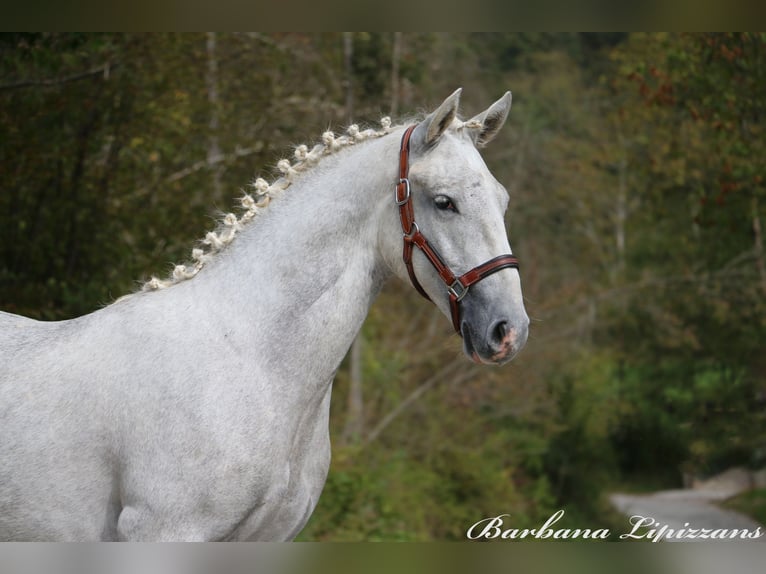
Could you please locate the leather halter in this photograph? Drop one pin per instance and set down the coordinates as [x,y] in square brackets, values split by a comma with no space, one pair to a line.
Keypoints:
[457,287]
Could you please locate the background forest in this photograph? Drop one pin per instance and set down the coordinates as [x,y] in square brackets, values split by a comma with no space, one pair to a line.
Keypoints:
[635,165]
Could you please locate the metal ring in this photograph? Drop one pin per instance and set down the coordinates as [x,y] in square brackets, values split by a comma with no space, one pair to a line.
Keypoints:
[458,290]
[406,183]
[413,230]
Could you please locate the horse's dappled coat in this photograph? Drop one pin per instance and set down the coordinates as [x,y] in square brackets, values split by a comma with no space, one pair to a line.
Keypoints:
[199,410]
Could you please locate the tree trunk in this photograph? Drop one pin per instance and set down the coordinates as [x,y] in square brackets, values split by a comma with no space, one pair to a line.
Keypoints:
[395,57]
[213,147]
[758,244]
[621,215]
[348,54]
[354,425]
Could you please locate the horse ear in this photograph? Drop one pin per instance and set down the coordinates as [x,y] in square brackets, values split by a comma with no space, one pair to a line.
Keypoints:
[491,120]
[437,122]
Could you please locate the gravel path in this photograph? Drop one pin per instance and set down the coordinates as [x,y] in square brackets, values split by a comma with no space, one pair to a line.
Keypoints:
[688,509]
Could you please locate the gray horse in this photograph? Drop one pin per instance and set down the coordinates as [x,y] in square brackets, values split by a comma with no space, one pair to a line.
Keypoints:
[198,409]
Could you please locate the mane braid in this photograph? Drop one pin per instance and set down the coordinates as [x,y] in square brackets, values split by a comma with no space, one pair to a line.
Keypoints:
[263,193]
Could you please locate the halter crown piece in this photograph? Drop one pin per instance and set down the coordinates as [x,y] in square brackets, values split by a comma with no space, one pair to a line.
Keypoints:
[457,286]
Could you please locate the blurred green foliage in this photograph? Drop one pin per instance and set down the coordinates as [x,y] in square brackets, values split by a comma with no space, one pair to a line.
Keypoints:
[635,165]
[751,503]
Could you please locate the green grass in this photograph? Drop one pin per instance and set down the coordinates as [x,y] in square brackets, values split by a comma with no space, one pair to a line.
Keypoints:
[643,484]
[751,503]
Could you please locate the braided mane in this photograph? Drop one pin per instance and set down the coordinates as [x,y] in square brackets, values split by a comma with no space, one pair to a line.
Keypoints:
[263,193]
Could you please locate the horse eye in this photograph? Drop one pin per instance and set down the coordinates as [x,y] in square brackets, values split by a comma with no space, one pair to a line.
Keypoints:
[444,203]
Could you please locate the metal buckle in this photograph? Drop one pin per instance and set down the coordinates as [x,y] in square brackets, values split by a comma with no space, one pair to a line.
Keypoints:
[406,183]
[458,290]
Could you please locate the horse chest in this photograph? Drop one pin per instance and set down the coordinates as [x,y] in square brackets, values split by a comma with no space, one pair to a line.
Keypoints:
[296,477]
[294,487]
[282,516]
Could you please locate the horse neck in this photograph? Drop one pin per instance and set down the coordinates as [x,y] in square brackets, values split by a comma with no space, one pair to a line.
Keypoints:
[300,279]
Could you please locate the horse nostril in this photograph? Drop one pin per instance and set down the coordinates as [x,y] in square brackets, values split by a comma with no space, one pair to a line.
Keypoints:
[500,332]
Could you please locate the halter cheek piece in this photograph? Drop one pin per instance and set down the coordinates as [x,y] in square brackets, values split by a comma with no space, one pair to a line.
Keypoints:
[457,287]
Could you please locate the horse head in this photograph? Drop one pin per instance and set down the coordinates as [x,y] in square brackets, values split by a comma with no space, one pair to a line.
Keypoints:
[451,213]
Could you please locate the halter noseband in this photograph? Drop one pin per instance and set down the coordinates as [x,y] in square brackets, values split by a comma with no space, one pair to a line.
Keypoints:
[457,287]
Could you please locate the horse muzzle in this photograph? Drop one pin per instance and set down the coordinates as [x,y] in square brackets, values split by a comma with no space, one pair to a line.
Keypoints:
[495,341]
